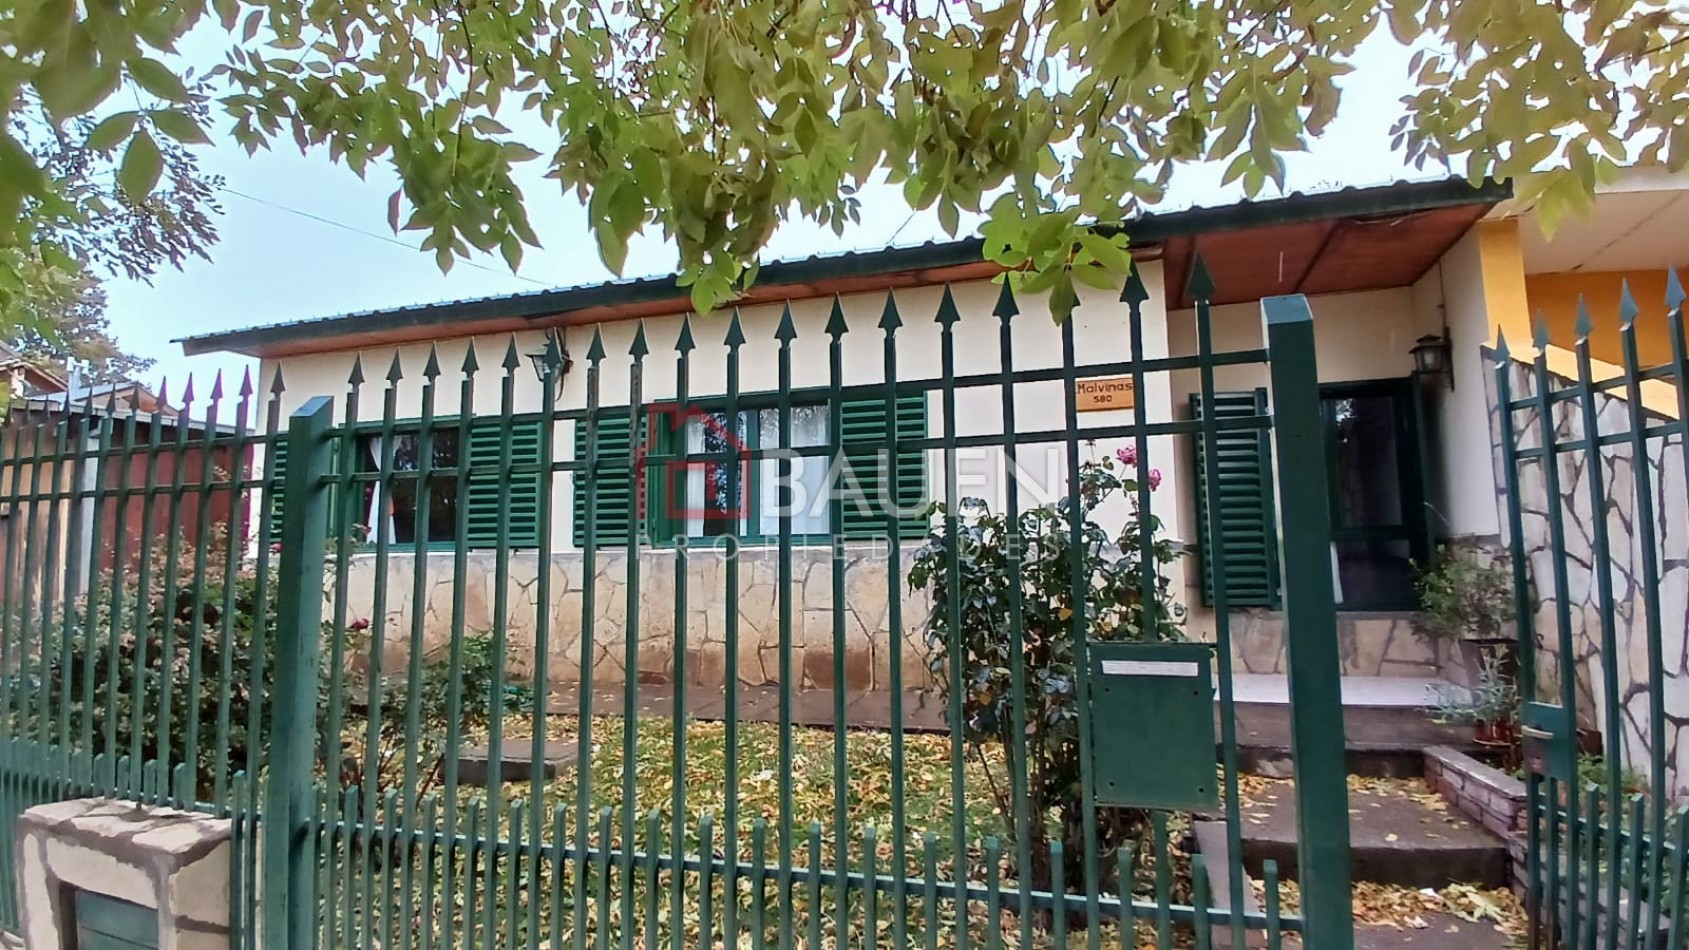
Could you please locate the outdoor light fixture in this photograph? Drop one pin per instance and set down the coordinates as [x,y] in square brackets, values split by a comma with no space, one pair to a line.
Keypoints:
[1432,359]
[565,361]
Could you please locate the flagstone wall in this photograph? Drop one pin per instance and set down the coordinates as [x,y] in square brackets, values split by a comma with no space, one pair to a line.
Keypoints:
[1608,659]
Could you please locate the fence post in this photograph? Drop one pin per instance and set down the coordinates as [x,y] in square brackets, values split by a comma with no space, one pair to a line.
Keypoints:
[1310,625]
[289,906]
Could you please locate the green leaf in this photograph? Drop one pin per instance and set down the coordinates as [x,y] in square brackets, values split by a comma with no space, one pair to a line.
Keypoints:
[157,78]
[142,165]
[180,126]
[112,130]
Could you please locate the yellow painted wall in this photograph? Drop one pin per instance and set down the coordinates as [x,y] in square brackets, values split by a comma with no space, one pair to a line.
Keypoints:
[1555,298]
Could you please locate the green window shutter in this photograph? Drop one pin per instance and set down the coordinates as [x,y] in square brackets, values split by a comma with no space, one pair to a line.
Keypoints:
[487,505]
[276,463]
[866,432]
[278,469]
[1243,466]
[615,487]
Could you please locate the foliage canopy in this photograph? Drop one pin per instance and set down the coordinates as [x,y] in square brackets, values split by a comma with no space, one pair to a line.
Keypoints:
[715,120]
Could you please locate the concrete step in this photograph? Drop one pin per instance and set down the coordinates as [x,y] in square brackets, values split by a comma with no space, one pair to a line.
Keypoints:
[1397,835]
[1381,741]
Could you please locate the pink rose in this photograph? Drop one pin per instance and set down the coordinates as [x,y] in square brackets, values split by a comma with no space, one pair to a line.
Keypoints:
[360,624]
[1128,455]
[1154,479]
[275,548]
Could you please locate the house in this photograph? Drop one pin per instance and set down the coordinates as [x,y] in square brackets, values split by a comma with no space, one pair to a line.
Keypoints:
[1395,275]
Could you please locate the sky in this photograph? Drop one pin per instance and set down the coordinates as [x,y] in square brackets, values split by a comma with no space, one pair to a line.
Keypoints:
[302,237]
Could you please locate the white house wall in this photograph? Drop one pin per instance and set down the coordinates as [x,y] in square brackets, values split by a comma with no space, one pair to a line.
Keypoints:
[1101,336]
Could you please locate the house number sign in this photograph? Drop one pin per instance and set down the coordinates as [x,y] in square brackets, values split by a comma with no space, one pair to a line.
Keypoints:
[1108,392]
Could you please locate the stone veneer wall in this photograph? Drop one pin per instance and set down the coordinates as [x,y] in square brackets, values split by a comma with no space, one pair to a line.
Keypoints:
[1665,460]
[1372,644]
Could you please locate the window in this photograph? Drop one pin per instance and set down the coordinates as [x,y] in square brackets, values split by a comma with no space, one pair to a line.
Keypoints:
[1378,523]
[695,499]
[1373,465]
[391,511]
[492,514]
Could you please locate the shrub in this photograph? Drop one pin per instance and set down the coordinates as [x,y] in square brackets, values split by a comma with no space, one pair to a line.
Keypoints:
[127,658]
[1465,595]
[1111,567]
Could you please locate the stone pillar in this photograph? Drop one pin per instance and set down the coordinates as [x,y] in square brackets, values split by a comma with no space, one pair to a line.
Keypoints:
[174,863]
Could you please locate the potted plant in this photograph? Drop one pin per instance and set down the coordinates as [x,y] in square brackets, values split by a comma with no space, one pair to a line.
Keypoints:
[1491,706]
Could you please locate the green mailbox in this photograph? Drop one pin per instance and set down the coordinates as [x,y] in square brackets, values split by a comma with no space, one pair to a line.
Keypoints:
[1152,725]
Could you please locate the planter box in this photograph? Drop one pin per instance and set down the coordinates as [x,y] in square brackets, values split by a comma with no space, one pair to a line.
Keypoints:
[1481,792]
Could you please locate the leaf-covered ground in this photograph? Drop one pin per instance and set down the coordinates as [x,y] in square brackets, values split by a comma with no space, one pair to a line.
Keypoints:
[511,903]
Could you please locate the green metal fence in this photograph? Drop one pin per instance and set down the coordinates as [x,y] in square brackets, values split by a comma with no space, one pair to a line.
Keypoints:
[1595,505]
[289,672]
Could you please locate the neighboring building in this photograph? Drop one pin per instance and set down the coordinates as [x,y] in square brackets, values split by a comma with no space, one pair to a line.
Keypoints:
[1383,268]
[24,377]
[87,418]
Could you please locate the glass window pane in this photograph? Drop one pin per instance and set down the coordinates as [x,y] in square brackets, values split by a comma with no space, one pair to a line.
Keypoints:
[391,513]
[712,510]
[805,498]
[1373,573]
[1366,475]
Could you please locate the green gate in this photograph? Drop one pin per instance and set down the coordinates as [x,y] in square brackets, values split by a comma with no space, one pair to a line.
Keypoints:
[1593,462]
[899,717]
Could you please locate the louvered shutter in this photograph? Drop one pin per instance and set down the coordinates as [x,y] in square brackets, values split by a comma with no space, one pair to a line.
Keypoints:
[866,433]
[614,503]
[1243,468]
[275,463]
[487,505]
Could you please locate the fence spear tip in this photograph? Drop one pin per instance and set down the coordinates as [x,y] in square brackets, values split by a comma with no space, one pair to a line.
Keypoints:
[1502,352]
[735,332]
[1006,306]
[1674,289]
[640,348]
[356,377]
[684,342]
[431,369]
[164,392]
[246,382]
[188,392]
[396,371]
[1200,284]
[595,351]
[217,386]
[1627,304]
[787,331]
[1539,332]
[1135,292]
[277,384]
[512,359]
[890,319]
[836,326]
[947,312]
[470,362]
[1585,324]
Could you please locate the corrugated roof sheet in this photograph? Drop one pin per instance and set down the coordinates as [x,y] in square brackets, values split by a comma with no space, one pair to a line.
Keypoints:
[1151,228]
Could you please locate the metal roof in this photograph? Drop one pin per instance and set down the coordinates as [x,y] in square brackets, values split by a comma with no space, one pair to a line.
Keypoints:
[1149,229]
